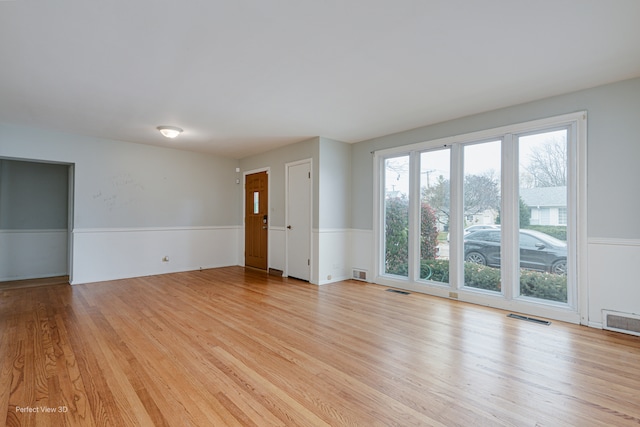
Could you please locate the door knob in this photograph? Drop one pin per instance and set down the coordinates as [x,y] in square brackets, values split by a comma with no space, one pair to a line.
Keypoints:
[289,227]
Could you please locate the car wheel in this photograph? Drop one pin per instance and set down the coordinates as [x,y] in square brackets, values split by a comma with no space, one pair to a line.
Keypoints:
[559,267]
[476,258]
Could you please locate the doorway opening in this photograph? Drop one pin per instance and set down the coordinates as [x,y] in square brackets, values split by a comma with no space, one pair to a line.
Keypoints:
[36,219]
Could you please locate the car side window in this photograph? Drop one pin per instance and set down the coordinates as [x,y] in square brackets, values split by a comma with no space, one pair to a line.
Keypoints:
[478,235]
[528,241]
[493,236]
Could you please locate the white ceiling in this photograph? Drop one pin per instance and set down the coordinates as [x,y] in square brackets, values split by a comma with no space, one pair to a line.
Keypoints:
[243,76]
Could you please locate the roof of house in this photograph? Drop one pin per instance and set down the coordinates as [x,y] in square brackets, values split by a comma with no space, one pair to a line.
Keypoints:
[544,196]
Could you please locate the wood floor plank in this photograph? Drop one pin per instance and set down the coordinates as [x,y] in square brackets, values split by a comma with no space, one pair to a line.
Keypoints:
[231,346]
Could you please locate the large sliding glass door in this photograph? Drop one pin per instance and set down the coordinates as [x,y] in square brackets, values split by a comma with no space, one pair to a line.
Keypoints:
[489,219]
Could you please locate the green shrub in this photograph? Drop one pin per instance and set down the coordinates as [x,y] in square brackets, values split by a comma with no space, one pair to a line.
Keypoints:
[536,284]
[482,277]
[397,234]
[552,287]
[476,275]
[435,269]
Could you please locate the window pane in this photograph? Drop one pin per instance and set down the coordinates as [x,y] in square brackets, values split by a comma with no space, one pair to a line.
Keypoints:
[256,202]
[543,215]
[481,193]
[434,215]
[396,216]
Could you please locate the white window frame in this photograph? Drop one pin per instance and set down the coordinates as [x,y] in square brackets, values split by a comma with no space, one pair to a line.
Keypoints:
[575,310]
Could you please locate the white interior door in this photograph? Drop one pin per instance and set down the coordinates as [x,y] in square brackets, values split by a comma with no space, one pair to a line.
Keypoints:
[298,217]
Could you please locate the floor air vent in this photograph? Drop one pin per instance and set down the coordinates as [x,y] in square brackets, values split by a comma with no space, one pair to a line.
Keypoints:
[395,291]
[529,319]
[626,323]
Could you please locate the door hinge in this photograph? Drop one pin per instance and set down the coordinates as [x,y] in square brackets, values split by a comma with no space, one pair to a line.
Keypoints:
[308,262]
[309,175]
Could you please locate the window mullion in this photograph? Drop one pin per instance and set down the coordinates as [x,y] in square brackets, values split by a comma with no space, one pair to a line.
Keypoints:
[456,217]
[509,219]
[572,219]
[414,216]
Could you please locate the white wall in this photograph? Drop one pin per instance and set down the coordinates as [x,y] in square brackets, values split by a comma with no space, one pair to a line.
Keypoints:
[134,204]
[613,278]
[33,195]
[277,243]
[32,254]
[361,254]
[334,185]
[108,254]
[334,255]
[332,239]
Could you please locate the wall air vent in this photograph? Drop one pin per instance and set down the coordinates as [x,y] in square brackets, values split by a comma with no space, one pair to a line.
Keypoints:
[359,275]
[626,323]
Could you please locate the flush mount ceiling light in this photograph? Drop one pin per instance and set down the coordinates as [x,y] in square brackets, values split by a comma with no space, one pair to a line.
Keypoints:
[169,131]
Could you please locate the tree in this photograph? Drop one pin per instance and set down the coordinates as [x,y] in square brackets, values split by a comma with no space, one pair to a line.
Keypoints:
[481,192]
[525,214]
[547,165]
[438,197]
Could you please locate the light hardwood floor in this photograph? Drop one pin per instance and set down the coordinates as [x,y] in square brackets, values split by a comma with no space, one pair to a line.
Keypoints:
[234,347]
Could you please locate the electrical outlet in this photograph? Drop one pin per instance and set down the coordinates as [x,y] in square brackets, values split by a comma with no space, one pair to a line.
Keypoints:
[453,295]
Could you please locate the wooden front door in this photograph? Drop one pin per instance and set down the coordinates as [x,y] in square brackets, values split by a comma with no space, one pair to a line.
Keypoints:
[256,220]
